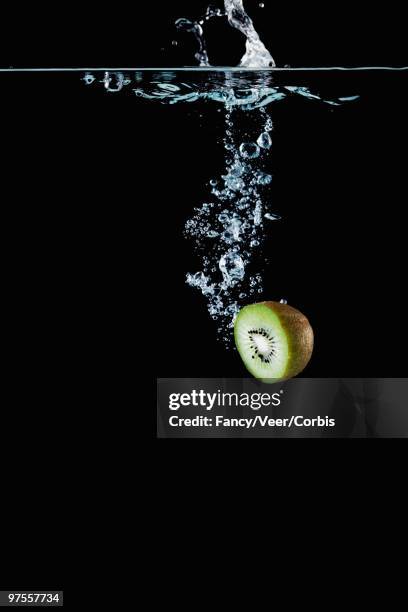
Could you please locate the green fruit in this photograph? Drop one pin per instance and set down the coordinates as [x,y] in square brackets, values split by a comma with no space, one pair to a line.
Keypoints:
[274,340]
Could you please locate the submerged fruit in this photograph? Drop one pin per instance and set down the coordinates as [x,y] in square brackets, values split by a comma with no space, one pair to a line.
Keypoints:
[274,340]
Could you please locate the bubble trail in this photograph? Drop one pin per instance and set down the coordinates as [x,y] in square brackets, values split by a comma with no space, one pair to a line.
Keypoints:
[228,230]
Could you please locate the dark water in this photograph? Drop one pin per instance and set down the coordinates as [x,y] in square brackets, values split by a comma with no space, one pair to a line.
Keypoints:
[102,185]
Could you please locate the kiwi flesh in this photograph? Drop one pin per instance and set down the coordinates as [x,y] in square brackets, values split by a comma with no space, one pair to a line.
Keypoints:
[274,340]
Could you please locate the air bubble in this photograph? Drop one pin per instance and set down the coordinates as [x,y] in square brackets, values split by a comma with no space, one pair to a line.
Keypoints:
[234,183]
[88,78]
[262,178]
[264,141]
[232,268]
[237,169]
[249,150]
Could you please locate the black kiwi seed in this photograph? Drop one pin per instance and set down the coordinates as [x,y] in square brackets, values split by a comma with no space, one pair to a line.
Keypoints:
[262,332]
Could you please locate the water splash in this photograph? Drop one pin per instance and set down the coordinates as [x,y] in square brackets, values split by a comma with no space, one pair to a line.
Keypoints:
[256,54]
[196,28]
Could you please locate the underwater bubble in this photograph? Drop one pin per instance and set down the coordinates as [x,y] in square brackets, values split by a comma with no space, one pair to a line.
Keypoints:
[237,169]
[234,183]
[264,141]
[224,217]
[174,43]
[249,150]
[349,99]
[272,217]
[262,178]
[232,310]
[232,232]
[88,78]
[200,281]
[113,82]
[268,127]
[232,268]
[283,301]
[243,203]
[258,213]
[261,5]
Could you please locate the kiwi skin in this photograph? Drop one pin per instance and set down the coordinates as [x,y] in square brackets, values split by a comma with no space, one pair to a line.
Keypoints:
[300,338]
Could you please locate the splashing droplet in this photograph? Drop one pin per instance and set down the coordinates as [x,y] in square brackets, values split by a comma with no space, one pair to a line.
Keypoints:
[256,55]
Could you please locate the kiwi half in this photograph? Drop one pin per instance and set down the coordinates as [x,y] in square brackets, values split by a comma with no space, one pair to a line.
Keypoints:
[274,340]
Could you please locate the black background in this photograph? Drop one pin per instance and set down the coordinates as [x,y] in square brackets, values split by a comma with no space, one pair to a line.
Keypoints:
[123,33]
[102,184]
[88,177]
